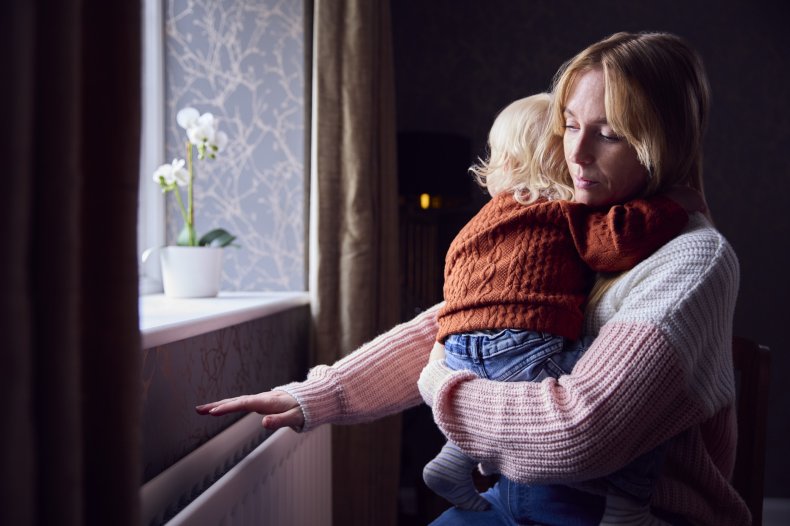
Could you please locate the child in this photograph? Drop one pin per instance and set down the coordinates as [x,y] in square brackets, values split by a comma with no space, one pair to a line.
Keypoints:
[517,277]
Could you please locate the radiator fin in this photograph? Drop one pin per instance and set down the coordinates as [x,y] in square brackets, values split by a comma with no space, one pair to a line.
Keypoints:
[285,481]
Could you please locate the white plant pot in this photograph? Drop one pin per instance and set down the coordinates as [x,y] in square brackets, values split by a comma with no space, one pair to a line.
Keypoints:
[191,272]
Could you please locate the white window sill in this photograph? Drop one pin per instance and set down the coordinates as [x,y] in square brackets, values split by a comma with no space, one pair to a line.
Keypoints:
[164,320]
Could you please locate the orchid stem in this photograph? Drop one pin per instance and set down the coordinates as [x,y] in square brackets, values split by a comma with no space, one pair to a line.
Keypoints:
[181,205]
[191,209]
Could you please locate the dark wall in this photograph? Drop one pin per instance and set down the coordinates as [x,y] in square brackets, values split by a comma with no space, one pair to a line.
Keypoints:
[458,62]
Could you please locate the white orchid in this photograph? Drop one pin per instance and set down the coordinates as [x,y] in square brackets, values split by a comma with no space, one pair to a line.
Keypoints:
[187,117]
[220,141]
[173,173]
[202,133]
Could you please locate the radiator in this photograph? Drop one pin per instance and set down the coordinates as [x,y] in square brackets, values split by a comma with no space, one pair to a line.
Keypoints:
[285,481]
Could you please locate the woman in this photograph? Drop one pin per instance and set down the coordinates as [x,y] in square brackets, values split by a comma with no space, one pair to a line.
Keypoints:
[630,111]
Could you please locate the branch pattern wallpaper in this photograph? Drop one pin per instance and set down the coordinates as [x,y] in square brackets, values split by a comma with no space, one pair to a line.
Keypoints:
[243,61]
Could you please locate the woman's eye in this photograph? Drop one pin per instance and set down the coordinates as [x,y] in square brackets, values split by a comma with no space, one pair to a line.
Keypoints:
[571,126]
[610,137]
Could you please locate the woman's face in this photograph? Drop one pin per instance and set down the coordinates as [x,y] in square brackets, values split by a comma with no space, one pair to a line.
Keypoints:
[604,167]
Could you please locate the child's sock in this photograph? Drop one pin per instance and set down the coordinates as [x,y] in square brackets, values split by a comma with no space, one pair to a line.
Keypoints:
[450,475]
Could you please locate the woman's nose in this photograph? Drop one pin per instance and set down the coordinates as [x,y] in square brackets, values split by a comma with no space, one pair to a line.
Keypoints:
[580,151]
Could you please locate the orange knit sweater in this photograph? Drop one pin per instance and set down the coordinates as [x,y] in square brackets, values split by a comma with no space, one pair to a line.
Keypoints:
[531,266]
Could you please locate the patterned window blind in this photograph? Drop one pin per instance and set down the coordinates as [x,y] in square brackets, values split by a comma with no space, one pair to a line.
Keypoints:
[243,61]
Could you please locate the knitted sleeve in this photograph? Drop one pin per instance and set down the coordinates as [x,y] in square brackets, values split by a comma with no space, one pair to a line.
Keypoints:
[378,379]
[620,237]
[660,365]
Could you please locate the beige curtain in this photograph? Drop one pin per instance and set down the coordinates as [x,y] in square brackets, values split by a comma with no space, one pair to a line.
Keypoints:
[69,379]
[353,231]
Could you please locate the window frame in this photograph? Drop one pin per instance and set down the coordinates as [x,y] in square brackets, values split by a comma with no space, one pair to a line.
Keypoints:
[151,202]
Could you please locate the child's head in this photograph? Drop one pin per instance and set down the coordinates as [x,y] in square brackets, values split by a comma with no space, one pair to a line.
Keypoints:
[512,142]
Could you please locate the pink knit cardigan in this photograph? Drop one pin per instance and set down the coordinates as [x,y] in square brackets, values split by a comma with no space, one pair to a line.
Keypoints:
[660,368]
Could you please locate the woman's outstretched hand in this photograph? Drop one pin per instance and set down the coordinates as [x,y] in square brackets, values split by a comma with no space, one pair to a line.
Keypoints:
[278,407]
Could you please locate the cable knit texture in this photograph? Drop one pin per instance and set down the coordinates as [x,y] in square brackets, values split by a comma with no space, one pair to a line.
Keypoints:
[516,266]
[660,368]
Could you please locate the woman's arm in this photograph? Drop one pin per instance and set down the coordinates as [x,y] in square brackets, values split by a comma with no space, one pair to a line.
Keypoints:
[378,379]
[660,365]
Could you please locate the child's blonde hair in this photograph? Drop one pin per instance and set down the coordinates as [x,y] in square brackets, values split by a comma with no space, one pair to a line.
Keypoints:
[512,163]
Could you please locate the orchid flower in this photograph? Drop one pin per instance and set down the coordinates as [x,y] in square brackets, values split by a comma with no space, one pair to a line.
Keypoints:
[202,132]
[173,173]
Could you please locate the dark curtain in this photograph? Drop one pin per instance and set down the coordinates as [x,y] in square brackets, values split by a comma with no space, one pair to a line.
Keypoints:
[354,232]
[70,357]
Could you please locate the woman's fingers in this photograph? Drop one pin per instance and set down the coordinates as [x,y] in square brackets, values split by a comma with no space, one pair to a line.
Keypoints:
[291,418]
[437,353]
[280,408]
[232,405]
[268,403]
[206,408]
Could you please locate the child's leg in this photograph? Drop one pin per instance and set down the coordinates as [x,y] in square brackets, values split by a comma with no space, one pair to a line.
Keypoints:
[508,355]
[449,474]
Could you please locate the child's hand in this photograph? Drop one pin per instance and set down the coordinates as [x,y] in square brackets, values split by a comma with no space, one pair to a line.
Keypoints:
[688,198]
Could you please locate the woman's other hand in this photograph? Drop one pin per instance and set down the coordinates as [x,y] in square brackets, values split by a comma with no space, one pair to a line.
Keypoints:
[437,353]
[278,407]
[433,374]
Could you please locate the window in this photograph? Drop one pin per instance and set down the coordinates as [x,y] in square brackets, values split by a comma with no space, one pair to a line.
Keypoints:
[151,213]
[243,61]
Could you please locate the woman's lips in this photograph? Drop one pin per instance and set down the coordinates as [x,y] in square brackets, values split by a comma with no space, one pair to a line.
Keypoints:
[584,183]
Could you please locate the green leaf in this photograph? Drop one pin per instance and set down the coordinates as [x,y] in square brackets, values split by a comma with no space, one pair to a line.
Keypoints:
[186,237]
[219,237]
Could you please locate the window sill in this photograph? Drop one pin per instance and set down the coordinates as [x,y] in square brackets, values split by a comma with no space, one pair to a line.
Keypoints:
[164,320]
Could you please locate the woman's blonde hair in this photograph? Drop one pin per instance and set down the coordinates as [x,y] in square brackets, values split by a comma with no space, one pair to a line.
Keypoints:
[656,97]
[511,164]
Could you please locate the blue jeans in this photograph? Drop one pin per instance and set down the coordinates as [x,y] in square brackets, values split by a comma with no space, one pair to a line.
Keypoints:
[547,505]
[512,355]
[525,356]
